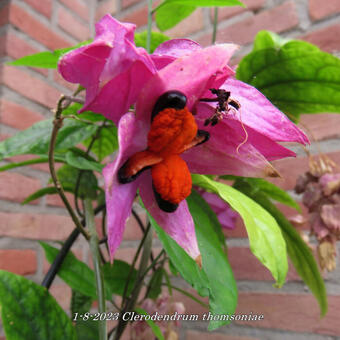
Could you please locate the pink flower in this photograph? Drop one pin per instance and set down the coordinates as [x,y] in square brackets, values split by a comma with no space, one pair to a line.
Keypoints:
[228,151]
[111,68]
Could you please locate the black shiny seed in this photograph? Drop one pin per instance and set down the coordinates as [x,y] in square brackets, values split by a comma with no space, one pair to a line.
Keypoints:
[171,99]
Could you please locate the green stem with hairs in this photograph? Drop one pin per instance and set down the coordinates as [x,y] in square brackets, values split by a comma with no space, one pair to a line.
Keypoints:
[94,246]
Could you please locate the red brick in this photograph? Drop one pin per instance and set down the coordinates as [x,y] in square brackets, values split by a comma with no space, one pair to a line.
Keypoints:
[62,293]
[132,230]
[293,312]
[17,116]
[228,12]
[16,48]
[30,87]
[78,7]
[4,15]
[319,10]
[139,17]
[194,335]
[16,187]
[35,226]
[277,19]
[35,29]
[247,267]
[191,24]
[128,3]
[3,45]
[43,7]
[321,126]
[21,262]
[55,200]
[105,7]
[238,231]
[70,24]
[291,168]
[328,38]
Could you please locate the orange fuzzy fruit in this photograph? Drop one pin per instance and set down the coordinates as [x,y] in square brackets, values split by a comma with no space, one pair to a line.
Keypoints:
[171,179]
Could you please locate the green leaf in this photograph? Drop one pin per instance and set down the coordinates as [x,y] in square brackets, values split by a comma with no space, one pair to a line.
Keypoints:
[170,12]
[172,268]
[42,192]
[155,284]
[36,139]
[106,143]
[88,184]
[215,279]
[169,15]
[116,275]
[223,290]
[75,273]
[29,312]
[45,59]
[154,327]
[43,159]
[87,330]
[296,77]
[82,163]
[156,39]
[267,39]
[265,237]
[183,263]
[80,303]
[273,192]
[298,251]
[87,115]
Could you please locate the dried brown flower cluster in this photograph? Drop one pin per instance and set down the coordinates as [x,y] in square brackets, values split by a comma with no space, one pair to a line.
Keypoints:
[320,187]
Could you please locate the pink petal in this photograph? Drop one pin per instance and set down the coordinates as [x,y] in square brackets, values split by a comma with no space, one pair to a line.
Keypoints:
[117,95]
[193,75]
[179,224]
[119,197]
[111,68]
[172,49]
[265,145]
[225,154]
[260,114]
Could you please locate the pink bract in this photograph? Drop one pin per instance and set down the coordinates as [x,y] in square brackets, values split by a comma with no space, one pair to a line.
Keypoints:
[111,68]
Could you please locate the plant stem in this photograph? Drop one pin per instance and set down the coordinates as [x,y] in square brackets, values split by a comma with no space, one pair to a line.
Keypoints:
[133,264]
[94,245]
[130,304]
[213,40]
[57,124]
[58,261]
[148,34]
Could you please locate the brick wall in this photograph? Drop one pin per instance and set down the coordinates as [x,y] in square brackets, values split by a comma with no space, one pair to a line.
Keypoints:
[27,95]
